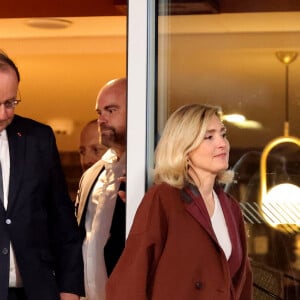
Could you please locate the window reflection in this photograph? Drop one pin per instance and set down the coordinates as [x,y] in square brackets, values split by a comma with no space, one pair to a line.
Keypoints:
[228,60]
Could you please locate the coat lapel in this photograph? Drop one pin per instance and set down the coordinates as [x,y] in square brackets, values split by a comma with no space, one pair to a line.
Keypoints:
[230,220]
[233,230]
[196,208]
[17,148]
[86,183]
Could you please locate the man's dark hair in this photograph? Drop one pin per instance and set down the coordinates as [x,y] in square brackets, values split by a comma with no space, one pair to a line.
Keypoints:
[5,60]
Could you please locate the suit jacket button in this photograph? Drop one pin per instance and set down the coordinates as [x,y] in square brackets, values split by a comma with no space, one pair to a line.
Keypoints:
[198,285]
[4,251]
[8,221]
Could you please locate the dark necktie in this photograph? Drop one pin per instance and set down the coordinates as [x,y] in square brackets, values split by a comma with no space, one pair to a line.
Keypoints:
[1,185]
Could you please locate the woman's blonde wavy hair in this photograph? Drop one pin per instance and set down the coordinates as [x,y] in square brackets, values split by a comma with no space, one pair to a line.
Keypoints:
[184,132]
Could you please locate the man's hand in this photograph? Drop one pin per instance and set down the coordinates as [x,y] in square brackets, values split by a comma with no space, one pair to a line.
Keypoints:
[68,296]
[122,194]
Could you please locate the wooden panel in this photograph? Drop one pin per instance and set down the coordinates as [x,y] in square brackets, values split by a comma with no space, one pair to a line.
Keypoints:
[184,7]
[62,8]
[227,6]
[77,8]
[188,7]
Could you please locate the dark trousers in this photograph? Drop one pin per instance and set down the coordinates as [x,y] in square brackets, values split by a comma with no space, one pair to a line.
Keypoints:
[16,294]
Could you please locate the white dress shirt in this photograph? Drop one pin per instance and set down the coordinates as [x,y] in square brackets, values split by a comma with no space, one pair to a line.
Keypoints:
[14,275]
[98,221]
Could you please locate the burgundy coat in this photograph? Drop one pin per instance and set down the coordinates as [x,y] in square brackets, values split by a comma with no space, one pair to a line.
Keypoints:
[172,252]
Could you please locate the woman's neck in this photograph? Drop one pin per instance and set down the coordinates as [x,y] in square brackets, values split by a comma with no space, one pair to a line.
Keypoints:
[205,185]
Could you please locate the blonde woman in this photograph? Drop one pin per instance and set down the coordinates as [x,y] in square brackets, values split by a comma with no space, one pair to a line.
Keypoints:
[188,239]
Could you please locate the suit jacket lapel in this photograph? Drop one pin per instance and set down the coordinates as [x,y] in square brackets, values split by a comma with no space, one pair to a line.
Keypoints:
[17,148]
[86,183]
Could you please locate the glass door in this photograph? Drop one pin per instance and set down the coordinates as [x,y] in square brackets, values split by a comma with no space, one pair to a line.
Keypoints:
[184,52]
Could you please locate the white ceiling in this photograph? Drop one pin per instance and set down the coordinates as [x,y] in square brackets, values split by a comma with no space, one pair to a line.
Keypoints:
[225,59]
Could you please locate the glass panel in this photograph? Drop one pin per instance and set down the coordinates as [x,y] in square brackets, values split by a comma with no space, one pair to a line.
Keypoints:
[141,91]
[229,60]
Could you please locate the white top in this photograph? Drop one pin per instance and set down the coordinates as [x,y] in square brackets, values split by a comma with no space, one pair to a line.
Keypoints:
[14,275]
[220,227]
[98,220]
[5,164]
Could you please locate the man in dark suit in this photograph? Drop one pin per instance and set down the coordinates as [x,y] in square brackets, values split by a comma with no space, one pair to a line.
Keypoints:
[101,211]
[40,246]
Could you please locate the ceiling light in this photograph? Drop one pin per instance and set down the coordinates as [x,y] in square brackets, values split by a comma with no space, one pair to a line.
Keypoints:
[48,23]
[62,126]
[241,121]
[234,118]
[281,205]
[249,124]
[286,57]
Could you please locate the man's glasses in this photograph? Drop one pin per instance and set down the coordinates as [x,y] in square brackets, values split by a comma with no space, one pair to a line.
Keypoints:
[10,103]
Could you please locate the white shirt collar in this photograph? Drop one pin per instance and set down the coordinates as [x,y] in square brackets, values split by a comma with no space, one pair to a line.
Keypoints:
[3,135]
[110,158]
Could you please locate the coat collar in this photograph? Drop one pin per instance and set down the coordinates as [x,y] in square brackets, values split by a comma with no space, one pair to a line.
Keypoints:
[16,136]
[194,204]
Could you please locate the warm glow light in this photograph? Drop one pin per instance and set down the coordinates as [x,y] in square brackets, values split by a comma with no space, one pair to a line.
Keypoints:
[281,205]
[48,23]
[249,124]
[241,121]
[234,118]
[286,57]
[62,126]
